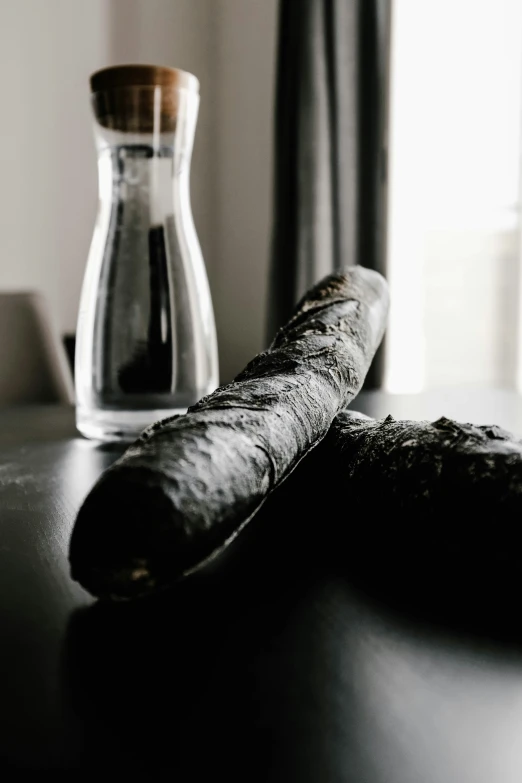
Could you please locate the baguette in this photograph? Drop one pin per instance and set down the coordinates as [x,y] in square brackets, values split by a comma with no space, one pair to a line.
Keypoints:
[189,484]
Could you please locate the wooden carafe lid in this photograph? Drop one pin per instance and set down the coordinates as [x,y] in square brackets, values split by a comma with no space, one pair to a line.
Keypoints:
[124,100]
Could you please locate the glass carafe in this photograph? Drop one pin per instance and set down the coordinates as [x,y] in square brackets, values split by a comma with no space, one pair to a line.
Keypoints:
[146,343]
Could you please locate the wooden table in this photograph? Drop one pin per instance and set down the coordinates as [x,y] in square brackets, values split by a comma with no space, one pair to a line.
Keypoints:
[274,671]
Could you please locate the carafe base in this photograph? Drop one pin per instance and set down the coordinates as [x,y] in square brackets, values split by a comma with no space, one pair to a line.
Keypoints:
[119,426]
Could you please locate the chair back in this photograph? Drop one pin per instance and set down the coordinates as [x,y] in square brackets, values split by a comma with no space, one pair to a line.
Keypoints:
[33,363]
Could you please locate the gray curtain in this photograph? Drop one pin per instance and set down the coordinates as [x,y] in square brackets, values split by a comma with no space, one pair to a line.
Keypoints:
[330,145]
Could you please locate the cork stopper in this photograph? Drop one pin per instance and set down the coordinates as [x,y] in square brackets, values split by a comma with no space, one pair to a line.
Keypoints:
[126,98]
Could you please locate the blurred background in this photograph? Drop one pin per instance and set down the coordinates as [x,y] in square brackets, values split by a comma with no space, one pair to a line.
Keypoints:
[447,156]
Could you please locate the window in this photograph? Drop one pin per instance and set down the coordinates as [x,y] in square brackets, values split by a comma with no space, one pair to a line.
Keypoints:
[453,238]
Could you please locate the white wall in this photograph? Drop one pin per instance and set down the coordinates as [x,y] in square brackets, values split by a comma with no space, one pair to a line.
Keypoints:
[48,194]
[245,95]
[47,160]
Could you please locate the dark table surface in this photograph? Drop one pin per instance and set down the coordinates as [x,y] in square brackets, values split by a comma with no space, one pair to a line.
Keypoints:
[276,671]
